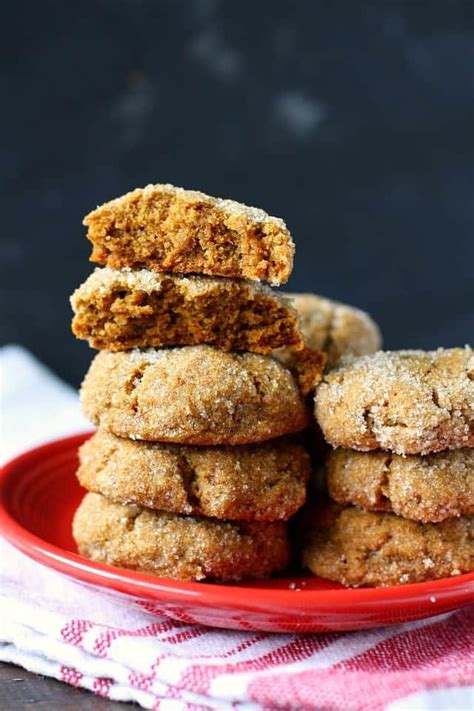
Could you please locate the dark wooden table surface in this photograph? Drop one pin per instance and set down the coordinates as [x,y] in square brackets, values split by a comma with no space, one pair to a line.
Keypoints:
[21,690]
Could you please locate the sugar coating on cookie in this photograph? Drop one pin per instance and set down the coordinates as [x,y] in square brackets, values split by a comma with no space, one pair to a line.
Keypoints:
[408,402]
[261,482]
[119,309]
[337,329]
[174,546]
[169,229]
[364,548]
[427,488]
[192,395]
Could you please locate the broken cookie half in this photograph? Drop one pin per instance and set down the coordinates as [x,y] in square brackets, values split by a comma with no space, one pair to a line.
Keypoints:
[168,229]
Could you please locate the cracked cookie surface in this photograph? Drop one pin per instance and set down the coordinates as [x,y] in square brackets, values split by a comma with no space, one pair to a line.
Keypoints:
[181,547]
[192,395]
[165,228]
[262,482]
[427,489]
[117,310]
[408,402]
[364,548]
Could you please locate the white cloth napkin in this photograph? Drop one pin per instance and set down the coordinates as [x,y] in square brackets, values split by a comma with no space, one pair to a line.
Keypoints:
[36,405]
[53,626]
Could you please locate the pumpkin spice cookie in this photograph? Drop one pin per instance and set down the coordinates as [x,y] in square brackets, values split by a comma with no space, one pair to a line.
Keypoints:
[261,482]
[193,395]
[176,546]
[168,229]
[427,489]
[408,402]
[364,548]
[119,310]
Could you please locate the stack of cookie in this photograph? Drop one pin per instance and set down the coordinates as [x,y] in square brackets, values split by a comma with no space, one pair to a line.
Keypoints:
[195,468]
[402,483]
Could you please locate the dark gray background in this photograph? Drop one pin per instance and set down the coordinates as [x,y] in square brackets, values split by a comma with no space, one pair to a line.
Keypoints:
[352,120]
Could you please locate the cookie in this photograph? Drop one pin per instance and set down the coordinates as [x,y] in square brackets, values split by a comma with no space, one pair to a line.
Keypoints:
[168,229]
[192,395]
[408,402]
[426,489]
[261,482]
[364,548]
[119,310]
[337,329]
[174,546]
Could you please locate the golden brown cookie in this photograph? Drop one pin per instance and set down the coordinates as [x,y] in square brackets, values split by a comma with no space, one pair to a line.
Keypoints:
[192,395]
[364,548]
[176,546]
[168,229]
[428,489]
[261,482]
[408,402]
[337,329]
[118,309]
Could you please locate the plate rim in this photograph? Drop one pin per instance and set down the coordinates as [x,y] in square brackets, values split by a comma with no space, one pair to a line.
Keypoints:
[145,585]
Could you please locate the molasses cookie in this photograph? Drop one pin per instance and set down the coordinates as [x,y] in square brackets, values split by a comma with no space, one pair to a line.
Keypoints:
[176,546]
[168,229]
[117,310]
[427,489]
[260,482]
[364,548]
[408,402]
[193,395]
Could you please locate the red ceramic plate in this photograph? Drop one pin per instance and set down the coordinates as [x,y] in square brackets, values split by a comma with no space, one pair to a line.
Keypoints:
[39,494]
